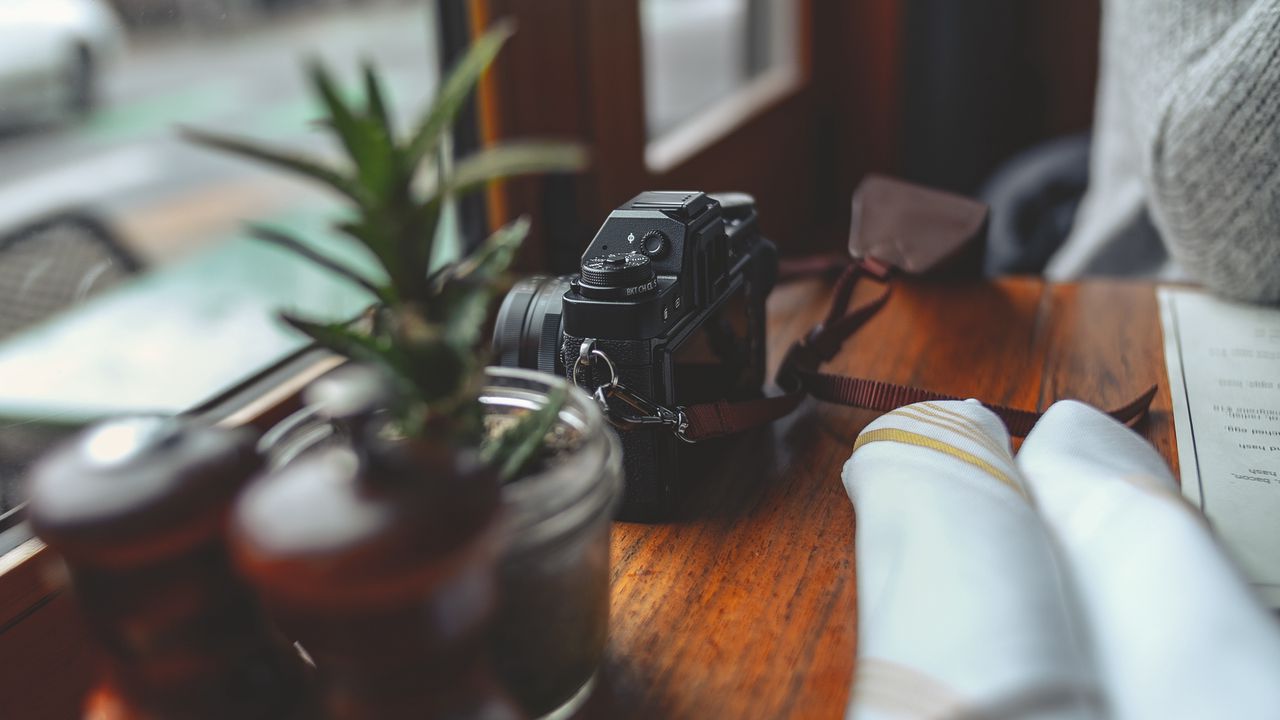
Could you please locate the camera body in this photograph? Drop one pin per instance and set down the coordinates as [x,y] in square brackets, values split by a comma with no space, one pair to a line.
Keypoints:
[672,292]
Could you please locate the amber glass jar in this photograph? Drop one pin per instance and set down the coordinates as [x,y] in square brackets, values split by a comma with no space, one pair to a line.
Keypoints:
[553,570]
[378,556]
[137,509]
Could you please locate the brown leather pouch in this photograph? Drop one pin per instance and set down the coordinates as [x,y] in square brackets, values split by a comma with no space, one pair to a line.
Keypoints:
[915,229]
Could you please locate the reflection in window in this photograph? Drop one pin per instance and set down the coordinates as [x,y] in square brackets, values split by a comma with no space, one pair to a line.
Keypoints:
[700,54]
[127,281]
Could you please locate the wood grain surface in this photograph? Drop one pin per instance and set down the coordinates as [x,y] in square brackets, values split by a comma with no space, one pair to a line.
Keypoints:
[746,607]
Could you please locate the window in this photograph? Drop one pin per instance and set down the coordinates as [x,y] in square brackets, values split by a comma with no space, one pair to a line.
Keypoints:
[127,281]
[709,65]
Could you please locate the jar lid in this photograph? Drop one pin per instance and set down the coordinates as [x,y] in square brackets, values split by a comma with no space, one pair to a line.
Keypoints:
[138,489]
[333,528]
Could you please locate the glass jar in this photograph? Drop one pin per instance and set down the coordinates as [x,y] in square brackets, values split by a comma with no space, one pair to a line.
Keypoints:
[553,616]
[553,619]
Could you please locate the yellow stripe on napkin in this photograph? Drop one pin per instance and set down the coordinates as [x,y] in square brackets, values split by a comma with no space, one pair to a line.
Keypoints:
[910,438]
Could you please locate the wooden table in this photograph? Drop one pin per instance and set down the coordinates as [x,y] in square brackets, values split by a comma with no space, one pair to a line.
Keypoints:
[748,609]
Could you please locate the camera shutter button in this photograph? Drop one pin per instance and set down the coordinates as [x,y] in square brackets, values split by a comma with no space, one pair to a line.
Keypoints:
[654,244]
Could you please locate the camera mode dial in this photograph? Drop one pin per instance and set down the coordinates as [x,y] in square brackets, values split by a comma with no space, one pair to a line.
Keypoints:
[617,276]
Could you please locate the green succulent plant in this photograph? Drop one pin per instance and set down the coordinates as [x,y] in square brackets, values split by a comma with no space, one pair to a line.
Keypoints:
[425,327]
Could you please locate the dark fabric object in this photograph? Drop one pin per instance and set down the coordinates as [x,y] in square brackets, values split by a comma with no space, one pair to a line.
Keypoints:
[1033,199]
[1143,252]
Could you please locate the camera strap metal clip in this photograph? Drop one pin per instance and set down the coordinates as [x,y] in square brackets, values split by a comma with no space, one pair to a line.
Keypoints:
[648,411]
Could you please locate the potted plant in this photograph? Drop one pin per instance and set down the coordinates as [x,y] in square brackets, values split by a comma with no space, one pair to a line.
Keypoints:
[558,464]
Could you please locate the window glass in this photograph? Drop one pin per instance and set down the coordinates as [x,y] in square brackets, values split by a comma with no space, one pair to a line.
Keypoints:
[708,64]
[127,282]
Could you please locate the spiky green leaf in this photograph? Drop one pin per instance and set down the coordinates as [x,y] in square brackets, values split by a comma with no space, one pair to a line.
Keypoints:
[436,367]
[363,137]
[297,247]
[511,451]
[515,158]
[363,230]
[454,90]
[341,338]
[495,255]
[372,231]
[461,309]
[339,115]
[376,100]
[463,292]
[296,163]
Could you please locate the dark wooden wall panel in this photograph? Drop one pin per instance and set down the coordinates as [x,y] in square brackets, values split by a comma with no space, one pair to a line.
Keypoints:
[1063,44]
[858,76]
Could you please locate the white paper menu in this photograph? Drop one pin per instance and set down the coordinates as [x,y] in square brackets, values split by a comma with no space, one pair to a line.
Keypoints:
[1224,376]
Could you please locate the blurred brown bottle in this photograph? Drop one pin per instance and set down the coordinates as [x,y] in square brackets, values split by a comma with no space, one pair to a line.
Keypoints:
[379,556]
[137,508]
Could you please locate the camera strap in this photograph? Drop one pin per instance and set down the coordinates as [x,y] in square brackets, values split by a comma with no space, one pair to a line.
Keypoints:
[800,375]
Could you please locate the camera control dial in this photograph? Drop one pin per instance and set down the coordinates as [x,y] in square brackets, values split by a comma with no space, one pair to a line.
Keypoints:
[617,276]
[654,244]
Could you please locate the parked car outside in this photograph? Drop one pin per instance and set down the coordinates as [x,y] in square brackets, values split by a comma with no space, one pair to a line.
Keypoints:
[52,55]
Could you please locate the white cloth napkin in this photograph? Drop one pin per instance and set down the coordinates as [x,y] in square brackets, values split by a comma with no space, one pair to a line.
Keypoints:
[1175,629]
[1106,597]
[962,610]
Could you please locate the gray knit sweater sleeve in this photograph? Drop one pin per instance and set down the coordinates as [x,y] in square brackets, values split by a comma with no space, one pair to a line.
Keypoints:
[1213,169]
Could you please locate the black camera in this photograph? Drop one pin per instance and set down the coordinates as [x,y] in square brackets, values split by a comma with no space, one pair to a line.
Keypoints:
[667,311]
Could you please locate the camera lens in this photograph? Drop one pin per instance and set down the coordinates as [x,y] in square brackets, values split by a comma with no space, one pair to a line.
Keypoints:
[527,332]
[617,276]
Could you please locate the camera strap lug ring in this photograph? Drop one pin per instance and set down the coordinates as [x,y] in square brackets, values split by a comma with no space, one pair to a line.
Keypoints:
[587,353]
[650,412]
[681,428]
